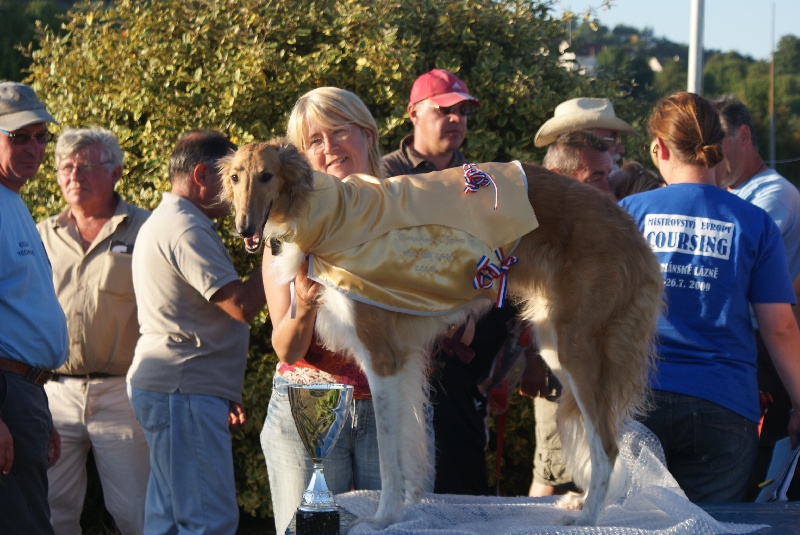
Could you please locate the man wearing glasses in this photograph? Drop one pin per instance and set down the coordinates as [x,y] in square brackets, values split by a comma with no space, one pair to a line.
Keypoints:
[33,331]
[439,106]
[90,245]
[593,114]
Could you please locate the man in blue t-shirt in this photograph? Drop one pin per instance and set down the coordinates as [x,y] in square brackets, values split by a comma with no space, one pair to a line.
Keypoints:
[33,330]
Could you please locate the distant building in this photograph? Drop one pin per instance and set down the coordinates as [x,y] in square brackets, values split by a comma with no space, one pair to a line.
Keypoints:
[584,60]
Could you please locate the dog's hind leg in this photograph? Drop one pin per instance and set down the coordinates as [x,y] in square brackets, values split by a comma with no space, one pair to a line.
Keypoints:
[586,422]
[590,449]
[588,429]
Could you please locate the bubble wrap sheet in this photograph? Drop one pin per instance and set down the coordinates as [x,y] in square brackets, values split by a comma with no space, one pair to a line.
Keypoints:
[653,504]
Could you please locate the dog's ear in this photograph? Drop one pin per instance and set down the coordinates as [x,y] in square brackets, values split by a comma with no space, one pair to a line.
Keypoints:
[224,164]
[294,164]
[225,167]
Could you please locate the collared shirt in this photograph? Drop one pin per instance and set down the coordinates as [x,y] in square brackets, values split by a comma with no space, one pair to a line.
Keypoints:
[95,289]
[188,344]
[32,326]
[407,161]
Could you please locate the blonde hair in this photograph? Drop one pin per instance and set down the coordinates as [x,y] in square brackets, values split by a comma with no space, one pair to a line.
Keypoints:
[330,107]
[690,127]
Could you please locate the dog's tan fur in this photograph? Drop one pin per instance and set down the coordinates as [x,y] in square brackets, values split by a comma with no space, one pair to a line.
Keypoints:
[586,279]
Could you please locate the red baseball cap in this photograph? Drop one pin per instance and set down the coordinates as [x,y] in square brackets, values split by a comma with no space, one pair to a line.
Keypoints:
[441,87]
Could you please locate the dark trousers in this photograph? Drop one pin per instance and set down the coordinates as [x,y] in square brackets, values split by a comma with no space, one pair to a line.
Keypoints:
[459,411]
[710,450]
[24,508]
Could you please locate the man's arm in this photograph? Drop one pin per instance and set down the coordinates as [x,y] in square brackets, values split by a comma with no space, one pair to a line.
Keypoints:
[778,328]
[796,308]
[242,300]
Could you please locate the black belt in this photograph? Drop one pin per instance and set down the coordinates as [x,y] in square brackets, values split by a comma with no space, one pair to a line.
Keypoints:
[37,376]
[93,375]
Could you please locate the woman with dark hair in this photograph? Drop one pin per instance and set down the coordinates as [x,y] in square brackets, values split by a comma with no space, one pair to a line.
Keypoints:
[632,178]
[719,256]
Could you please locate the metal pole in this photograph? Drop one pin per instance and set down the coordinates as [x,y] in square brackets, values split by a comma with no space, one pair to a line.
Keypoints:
[772,139]
[695,78]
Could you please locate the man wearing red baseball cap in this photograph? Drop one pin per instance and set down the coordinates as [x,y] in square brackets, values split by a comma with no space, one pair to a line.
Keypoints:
[439,106]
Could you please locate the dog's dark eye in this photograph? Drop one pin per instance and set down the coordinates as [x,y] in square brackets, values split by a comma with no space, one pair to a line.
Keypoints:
[235,179]
[264,177]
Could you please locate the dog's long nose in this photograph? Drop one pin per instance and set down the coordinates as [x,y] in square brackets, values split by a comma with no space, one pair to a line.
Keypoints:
[246,232]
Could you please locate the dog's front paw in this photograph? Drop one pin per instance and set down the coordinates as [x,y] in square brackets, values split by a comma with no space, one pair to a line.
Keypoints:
[571,501]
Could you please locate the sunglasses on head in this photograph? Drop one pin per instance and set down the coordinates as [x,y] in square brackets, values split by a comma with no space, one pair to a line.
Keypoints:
[21,138]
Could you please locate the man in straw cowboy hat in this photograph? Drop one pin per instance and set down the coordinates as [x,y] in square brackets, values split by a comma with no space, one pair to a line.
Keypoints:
[593,114]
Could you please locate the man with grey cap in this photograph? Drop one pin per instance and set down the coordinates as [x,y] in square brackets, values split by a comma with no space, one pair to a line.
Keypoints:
[593,114]
[33,331]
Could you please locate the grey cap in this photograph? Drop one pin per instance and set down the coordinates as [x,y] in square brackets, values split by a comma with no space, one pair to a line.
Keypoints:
[19,107]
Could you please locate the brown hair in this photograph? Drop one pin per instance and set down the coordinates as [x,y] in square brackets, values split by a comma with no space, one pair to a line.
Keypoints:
[690,127]
[632,178]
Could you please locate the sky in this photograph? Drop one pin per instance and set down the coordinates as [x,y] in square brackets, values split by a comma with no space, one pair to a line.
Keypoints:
[744,26]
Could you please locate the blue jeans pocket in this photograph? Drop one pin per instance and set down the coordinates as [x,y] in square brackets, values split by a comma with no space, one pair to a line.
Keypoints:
[151,408]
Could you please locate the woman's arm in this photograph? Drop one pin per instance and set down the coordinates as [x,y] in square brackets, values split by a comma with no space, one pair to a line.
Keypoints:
[291,337]
[778,328]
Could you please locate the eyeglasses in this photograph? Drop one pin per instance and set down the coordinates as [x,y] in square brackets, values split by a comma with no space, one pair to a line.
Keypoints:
[464,110]
[338,135]
[82,168]
[616,140]
[21,138]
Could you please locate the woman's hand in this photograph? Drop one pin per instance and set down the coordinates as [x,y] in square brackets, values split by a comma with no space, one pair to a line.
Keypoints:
[307,290]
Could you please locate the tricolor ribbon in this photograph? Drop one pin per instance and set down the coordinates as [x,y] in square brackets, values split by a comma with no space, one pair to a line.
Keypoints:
[487,272]
[474,178]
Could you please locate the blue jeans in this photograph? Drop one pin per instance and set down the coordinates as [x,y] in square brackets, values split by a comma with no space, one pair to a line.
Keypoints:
[191,487]
[23,491]
[352,463]
[710,450]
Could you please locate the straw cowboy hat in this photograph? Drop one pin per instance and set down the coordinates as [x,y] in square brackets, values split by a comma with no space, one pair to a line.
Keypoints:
[581,114]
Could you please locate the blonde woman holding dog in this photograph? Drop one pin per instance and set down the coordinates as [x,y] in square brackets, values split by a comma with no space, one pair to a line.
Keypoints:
[339,136]
[719,255]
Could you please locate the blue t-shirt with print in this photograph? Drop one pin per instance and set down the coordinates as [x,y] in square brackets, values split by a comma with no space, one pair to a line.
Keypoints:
[718,254]
[33,329]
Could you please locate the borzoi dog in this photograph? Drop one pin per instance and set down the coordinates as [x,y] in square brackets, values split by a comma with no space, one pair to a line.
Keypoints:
[585,278]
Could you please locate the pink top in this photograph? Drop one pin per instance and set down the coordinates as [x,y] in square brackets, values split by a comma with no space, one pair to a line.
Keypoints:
[323,366]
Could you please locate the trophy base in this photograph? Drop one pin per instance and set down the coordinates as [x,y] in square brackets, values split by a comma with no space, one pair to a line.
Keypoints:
[316,523]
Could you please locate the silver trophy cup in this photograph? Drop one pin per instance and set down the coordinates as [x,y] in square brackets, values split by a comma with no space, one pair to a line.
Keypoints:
[319,412]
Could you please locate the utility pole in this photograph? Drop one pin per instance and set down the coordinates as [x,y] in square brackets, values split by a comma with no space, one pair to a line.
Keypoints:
[772,140]
[695,78]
